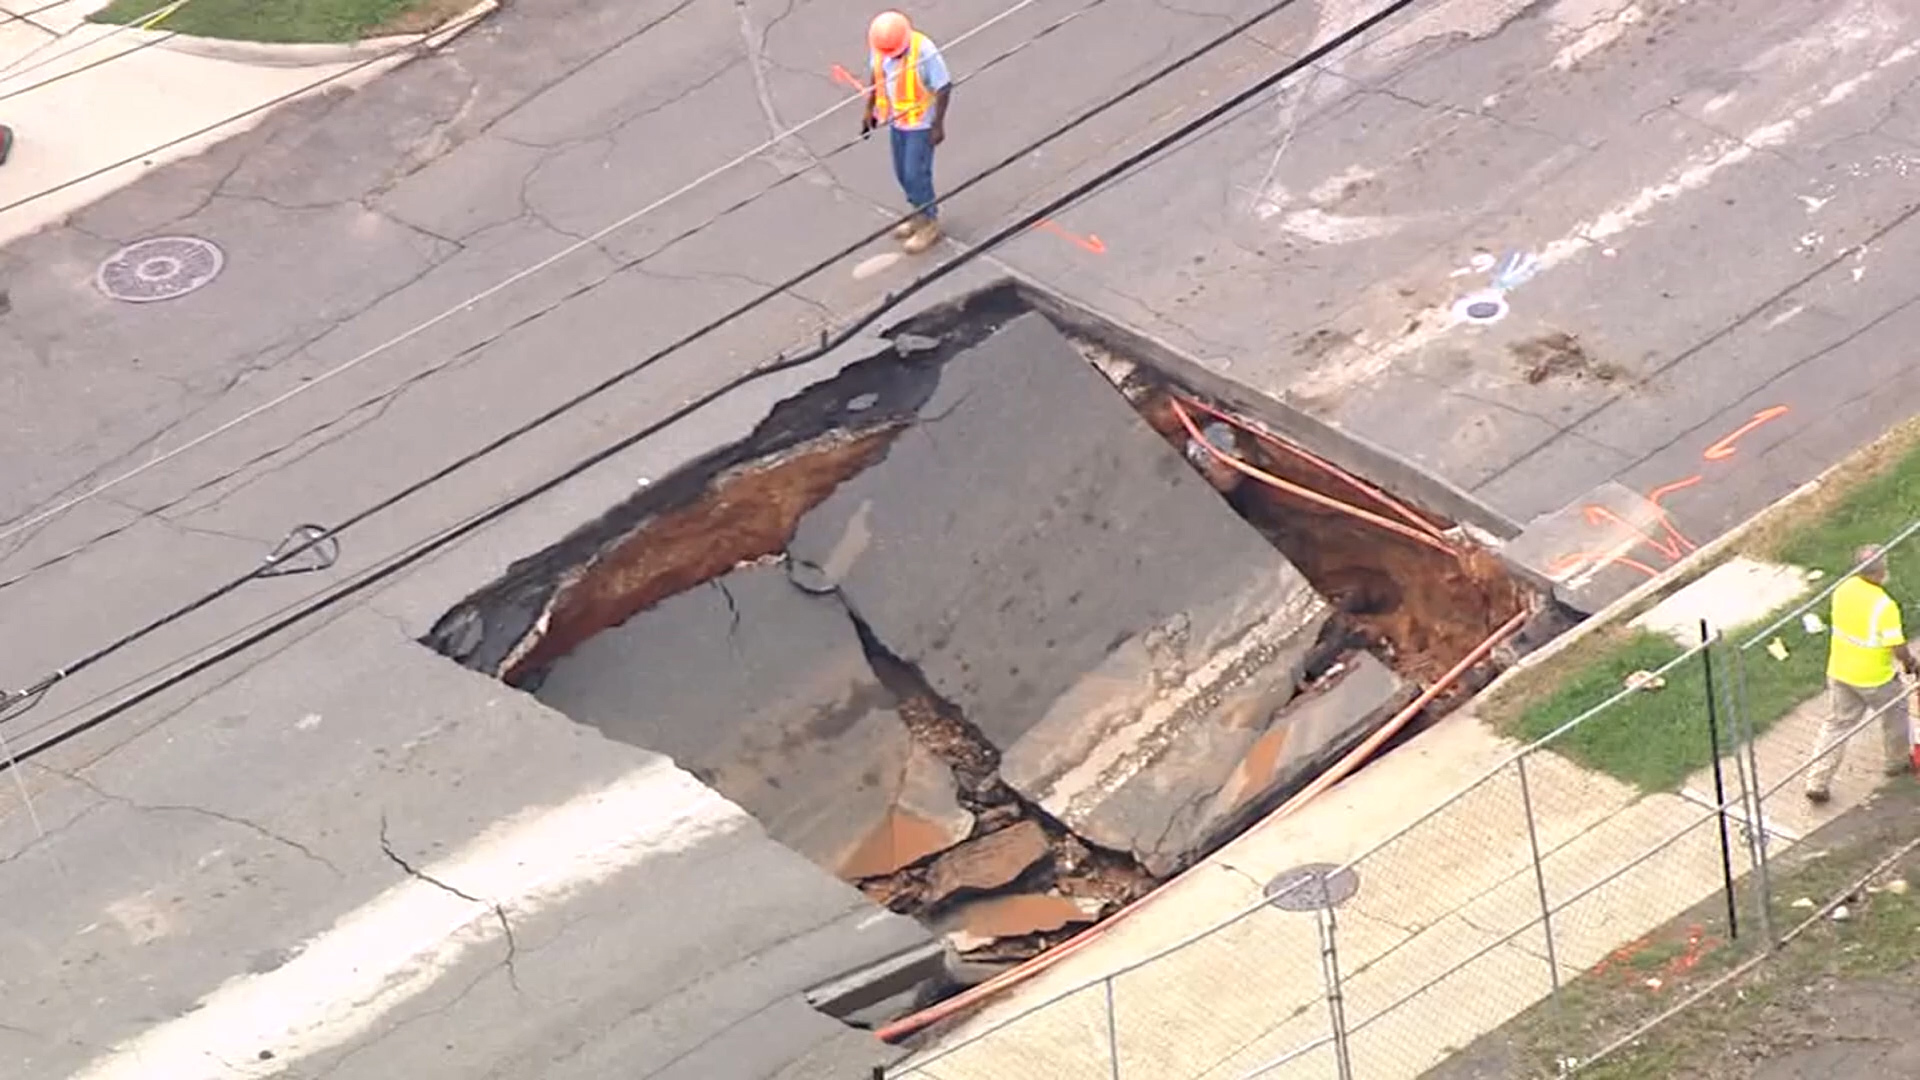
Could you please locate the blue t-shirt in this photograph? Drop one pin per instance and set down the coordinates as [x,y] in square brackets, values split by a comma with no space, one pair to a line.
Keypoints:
[933,76]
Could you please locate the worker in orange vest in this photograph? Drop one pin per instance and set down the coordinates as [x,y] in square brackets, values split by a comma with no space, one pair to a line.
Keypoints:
[909,93]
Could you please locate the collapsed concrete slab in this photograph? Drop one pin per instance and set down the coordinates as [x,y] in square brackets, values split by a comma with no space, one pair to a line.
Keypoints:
[764,693]
[1055,570]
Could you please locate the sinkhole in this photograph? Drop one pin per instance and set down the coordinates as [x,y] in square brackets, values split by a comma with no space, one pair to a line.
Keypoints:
[1012,620]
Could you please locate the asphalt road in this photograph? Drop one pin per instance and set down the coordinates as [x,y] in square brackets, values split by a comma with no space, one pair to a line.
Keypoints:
[1713,194]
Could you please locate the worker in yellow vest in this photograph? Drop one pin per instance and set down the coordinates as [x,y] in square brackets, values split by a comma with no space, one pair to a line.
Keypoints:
[909,93]
[1866,644]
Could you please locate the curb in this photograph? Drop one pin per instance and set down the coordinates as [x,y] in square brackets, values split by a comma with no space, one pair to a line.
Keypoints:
[264,54]
[1667,582]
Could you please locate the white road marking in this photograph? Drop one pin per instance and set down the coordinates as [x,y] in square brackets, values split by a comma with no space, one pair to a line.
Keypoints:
[342,982]
[1363,363]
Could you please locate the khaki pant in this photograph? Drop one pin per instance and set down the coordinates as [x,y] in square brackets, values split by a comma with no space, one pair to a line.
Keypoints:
[1847,706]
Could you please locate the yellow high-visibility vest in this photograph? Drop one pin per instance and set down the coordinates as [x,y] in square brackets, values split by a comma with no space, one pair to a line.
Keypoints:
[1866,627]
[907,102]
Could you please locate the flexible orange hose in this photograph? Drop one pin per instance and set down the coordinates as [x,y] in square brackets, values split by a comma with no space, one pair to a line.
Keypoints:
[1013,977]
[1414,517]
[1307,493]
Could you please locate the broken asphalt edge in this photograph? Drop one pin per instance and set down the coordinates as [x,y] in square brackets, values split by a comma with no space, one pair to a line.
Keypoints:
[291,55]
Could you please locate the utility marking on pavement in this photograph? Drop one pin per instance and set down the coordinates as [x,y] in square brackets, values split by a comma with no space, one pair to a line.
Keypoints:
[1367,362]
[866,268]
[1089,242]
[342,983]
[1724,449]
[1580,567]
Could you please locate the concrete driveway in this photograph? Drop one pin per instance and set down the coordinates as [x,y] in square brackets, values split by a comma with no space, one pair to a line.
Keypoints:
[1707,200]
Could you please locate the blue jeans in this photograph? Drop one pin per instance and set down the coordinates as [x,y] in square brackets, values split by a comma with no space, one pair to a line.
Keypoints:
[913,167]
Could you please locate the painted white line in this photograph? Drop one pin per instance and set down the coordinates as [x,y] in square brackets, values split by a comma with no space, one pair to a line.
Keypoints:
[342,982]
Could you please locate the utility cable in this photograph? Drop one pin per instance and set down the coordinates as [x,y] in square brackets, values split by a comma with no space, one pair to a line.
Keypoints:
[1006,233]
[484,294]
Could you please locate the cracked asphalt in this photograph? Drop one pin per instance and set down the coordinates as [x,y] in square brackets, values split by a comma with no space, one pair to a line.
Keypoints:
[1713,195]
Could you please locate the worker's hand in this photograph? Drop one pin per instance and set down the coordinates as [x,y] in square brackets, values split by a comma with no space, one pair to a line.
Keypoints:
[939,134]
[867,122]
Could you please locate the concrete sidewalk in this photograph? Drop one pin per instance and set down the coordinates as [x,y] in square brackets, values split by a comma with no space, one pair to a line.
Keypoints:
[1431,949]
[95,106]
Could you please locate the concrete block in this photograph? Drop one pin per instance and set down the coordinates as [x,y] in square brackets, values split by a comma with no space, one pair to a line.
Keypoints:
[1085,598]
[1595,549]
[764,693]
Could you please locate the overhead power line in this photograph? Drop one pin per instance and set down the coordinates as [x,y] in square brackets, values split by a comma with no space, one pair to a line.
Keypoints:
[485,294]
[422,549]
[469,350]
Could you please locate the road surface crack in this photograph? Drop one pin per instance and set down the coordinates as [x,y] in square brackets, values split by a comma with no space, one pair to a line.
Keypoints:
[499,910]
[217,815]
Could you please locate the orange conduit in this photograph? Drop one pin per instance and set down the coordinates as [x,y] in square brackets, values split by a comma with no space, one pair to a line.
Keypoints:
[1414,517]
[1013,977]
[1306,493]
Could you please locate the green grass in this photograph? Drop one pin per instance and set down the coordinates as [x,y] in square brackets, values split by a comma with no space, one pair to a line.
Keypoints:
[279,21]
[1653,740]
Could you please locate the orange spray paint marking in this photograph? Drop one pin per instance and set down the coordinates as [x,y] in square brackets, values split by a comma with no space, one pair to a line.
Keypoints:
[1089,242]
[1671,547]
[1665,490]
[1567,563]
[845,78]
[1723,449]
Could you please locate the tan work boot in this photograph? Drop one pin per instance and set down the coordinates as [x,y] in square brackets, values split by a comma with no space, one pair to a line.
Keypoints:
[906,228]
[925,235]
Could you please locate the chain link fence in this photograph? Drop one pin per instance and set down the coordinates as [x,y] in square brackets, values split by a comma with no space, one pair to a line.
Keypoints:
[1542,889]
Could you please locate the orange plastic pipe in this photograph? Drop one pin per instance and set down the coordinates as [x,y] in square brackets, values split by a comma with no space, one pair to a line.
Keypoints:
[1013,977]
[1306,493]
[1414,517]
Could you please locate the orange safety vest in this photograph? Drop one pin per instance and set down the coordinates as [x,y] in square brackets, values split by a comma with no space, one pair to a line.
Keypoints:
[906,104]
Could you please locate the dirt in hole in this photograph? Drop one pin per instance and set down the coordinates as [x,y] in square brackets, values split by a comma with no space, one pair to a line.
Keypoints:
[1419,609]
[748,514]
[1069,868]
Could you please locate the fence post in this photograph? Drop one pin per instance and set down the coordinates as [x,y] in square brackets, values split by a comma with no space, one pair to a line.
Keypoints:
[1330,971]
[1539,873]
[1113,1031]
[1755,801]
[1719,779]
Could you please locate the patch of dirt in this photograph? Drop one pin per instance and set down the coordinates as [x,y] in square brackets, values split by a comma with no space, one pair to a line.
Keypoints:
[1560,355]
[1418,609]
[746,514]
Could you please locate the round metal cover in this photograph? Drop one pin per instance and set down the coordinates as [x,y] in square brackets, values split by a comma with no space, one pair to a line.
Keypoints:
[1313,886]
[162,268]
[1481,308]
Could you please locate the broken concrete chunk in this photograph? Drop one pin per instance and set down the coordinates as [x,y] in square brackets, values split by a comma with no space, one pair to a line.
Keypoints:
[992,862]
[765,693]
[1313,732]
[983,922]
[1091,606]
[925,819]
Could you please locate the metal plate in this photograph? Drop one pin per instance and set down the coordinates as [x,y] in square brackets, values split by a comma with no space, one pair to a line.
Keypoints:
[1312,887]
[162,268]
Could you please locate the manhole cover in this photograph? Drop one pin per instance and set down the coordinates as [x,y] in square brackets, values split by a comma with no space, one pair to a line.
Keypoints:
[160,269]
[1315,885]
[1486,307]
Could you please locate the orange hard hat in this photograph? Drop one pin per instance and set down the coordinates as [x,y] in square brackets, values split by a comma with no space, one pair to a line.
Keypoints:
[889,33]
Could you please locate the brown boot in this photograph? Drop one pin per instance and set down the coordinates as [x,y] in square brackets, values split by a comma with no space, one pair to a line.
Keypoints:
[906,228]
[925,235]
